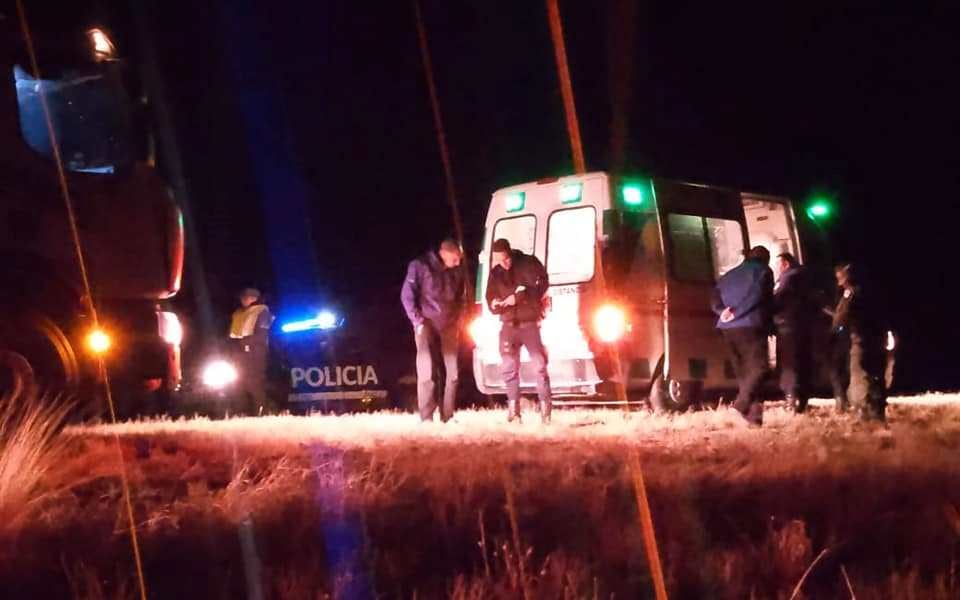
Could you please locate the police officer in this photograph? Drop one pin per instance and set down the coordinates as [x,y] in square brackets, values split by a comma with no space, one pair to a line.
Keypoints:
[433,298]
[839,355]
[857,312]
[794,315]
[250,333]
[743,300]
[515,291]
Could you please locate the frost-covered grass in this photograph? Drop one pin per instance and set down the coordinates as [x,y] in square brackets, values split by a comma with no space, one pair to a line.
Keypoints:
[478,508]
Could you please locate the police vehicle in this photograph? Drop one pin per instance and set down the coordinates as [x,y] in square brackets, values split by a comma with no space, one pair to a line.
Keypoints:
[323,359]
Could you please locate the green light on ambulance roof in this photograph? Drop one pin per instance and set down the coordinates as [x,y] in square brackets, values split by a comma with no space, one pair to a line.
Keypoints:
[819,209]
[514,201]
[633,195]
[570,193]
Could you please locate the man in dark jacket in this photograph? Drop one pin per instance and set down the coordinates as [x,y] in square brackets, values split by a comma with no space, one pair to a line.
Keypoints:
[433,298]
[857,313]
[515,291]
[743,299]
[794,316]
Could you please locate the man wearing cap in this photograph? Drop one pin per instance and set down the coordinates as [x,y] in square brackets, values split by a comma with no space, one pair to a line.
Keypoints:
[433,298]
[250,331]
[743,300]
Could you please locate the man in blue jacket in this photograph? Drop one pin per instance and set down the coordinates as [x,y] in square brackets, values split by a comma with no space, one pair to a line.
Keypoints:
[743,299]
[433,298]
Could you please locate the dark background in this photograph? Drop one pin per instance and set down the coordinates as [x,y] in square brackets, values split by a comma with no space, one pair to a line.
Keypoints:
[291,109]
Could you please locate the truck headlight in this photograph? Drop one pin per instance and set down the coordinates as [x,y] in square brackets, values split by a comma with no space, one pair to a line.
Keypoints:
[98,341]
[170,328]
[218,374]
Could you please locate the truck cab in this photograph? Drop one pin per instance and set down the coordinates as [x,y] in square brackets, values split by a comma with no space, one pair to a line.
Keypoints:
[632,264]
[91,239]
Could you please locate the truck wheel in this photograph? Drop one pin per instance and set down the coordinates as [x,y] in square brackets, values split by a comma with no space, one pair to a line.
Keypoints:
[37,353]
[671,395]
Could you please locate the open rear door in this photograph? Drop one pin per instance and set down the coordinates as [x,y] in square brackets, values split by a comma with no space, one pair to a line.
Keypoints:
[704,235]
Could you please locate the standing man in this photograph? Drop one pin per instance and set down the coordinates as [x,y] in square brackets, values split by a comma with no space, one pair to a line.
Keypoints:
[743,299]
[839,356]
[794,316]
[250,331]
[857,312]
[515,291]
[432,296]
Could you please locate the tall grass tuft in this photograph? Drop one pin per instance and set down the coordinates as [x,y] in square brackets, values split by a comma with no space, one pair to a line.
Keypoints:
[30,446]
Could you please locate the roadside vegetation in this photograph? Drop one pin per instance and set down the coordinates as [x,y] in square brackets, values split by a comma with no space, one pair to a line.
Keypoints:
[818,506]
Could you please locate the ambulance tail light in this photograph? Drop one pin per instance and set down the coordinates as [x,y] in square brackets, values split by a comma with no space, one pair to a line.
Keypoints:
[482,330]
[609,323]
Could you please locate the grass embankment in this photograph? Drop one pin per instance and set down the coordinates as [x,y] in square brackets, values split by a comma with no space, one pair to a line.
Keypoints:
[308,506]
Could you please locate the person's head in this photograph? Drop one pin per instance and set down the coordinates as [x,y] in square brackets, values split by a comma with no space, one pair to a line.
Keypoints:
[844,274]
[759,254]
[502,254]
[249,296]
[786,261]
[450,253]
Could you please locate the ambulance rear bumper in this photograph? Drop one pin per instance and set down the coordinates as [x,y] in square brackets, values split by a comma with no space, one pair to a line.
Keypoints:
[570,376]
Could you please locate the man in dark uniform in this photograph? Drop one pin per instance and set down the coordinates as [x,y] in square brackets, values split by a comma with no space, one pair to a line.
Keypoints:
[515,291]
[794,316]
[433,298]
[839,357]
[743,300]
[857,312]
[250,332]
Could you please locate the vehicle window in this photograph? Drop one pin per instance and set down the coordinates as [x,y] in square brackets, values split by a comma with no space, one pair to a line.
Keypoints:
[520,231]
[690,256]
[726,244]
[703,249]
[91,119]
[571,242]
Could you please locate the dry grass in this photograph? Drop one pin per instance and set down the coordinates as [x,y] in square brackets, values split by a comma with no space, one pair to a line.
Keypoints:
[29,449]
[320,507]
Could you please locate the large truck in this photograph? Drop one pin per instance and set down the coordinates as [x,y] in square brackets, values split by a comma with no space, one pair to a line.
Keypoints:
[53,333]
[632,264]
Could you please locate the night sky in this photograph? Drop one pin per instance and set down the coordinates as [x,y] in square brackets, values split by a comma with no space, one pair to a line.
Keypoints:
[859,102]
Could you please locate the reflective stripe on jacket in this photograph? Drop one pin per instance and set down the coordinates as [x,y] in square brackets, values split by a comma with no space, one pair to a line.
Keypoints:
[245,321]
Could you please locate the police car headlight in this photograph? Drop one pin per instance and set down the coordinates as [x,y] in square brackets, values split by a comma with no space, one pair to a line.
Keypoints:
[218,374]
[609,323]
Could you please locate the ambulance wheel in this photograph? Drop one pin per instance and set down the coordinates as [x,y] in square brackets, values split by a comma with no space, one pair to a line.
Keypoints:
[671,395]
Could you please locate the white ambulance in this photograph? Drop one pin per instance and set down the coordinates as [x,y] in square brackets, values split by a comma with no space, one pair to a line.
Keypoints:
[632,265]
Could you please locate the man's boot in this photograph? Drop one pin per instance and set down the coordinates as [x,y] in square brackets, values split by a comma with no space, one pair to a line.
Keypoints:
[545,410]
[791,403]
[841,403]
[513,411]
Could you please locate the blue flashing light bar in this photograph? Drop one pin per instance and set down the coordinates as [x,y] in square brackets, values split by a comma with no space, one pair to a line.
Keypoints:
[324,321]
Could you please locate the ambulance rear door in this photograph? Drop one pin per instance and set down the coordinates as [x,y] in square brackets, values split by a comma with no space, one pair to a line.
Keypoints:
[704,236]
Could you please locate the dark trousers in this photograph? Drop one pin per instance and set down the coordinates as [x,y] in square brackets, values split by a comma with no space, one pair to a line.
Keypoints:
[796,365]
[512,337]
[253,380]
[839,368]
[436,361]
[749,348]
[867,391]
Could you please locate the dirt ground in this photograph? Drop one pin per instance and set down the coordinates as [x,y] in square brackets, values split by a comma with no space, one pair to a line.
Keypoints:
[379,505]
